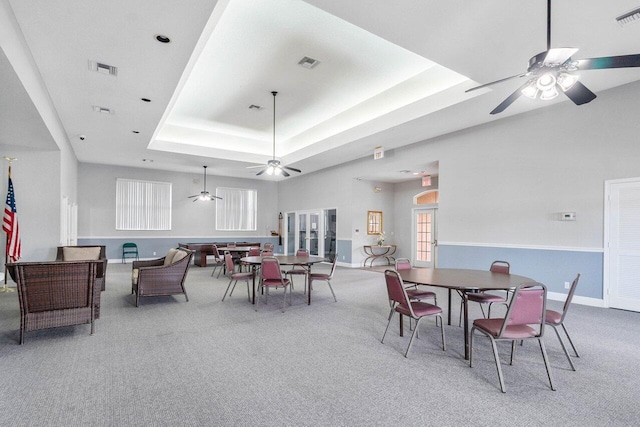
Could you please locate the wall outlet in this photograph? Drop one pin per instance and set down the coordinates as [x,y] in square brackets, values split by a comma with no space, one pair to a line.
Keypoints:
[567,285]
[154,254]
[344,257]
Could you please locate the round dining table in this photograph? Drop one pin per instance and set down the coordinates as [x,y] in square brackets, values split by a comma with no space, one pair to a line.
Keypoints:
[307,261]
[464,281]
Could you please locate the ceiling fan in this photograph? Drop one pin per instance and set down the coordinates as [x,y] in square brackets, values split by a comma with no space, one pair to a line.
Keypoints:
[204,194]
[553,71]
[273,166]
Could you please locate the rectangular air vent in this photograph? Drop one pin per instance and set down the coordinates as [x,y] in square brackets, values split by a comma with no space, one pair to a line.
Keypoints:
[307,62]
[629,17]
[102,110]
[103,68]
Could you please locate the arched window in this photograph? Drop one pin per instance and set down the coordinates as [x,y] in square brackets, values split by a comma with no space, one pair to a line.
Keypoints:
[426,198]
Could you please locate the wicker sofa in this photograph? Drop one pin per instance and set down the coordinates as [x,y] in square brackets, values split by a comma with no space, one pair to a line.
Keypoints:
[56,293]
[163,276]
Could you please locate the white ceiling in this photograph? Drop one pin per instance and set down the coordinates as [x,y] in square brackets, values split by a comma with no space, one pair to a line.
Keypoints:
[390,74]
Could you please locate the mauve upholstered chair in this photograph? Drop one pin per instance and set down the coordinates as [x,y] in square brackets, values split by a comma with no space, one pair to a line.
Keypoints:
[234,276]
[299,270]
[323,277]
[417,310]
[501,267]
[271,278]
[524,321]
[555,319]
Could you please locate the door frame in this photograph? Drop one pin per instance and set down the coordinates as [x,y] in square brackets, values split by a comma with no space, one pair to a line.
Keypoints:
[432,207]
[296,231]
[606,265]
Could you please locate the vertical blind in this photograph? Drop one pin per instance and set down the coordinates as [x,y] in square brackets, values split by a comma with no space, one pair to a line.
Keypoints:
[143,205]
[238,209]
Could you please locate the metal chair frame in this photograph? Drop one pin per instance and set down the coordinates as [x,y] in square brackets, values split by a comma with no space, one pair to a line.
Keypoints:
[555,325]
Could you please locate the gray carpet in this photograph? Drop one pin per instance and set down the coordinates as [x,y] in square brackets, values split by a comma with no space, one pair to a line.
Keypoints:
[207,362]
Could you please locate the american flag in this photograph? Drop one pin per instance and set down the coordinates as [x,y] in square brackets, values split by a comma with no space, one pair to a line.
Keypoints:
[10,224]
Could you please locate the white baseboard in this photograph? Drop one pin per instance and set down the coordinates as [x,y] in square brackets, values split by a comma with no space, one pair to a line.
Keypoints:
[593,302]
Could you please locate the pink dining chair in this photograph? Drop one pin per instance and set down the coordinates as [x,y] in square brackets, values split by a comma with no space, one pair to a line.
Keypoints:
[217,259]
[524,321]
[417,310]
[299,269]
[268,247]
[234,276]
[555,319]
[253,251]
[413,291]
[266,253]
[324,277]
[501,267]
[271,277]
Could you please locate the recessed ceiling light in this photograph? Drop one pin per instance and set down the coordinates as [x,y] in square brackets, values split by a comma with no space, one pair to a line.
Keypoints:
[135,131]
[162,39]
[145,99]
[148,160]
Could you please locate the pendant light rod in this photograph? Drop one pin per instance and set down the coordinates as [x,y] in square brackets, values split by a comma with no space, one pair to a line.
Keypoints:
[274,93]
[548,25]
[205,178]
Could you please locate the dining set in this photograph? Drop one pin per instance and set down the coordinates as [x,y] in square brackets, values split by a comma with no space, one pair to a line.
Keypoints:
[524,298]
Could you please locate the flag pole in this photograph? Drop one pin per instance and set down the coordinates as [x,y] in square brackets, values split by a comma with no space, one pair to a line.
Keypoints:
[4,288]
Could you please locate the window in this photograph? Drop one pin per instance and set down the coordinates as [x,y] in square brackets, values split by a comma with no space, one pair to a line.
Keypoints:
[238,209]
[143,205]
[374,222]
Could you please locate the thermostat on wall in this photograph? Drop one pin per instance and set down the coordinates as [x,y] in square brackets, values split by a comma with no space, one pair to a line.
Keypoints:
[567,216]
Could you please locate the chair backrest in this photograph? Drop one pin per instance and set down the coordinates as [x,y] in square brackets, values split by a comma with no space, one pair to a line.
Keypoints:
[216,253]
[527,307]
[268,246]
[333,266]
[130,245]
[254,252]
[270,269]
[267,253]
[302,252]
[228,261]
[403,264]
[567,302]
[500,267]
[395,289]
[231,245]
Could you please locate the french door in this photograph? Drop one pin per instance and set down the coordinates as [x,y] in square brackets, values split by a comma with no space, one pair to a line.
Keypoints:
[313,230]
[622,244]
[424,237]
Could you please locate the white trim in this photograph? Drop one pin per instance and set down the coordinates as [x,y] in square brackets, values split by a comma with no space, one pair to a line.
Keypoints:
[514,246]
[199,237]
[593,302]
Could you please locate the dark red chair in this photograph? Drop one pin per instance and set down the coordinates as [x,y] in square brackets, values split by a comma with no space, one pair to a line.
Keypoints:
[271,278]
[234,276]
[299,269]
[555,319]
[524,321]
[400,303]
[324,277]
[489,298]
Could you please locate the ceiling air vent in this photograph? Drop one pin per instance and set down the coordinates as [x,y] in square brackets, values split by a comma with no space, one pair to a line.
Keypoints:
[307,62]
[102,110]
[103,68]
[629,17]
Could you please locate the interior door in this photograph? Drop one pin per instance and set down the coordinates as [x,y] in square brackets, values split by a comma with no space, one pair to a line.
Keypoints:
[622,253]
[424,237]
[310,232]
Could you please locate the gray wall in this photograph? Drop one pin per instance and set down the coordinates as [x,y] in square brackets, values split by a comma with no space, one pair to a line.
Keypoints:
[191,221]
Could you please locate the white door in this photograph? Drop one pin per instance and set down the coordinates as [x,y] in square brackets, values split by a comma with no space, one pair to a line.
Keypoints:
[622,250]
[424,237]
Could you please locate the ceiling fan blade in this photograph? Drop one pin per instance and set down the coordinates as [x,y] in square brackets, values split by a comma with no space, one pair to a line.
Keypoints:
[261,172]
[255,167]
[285,173]
[510,100]
[559,55]
[497,81]
[623,61]
[217,197]
[292,169]
[579,94]
[191,197]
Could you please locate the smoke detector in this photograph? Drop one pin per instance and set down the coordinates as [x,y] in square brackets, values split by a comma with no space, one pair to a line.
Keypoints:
[307,62]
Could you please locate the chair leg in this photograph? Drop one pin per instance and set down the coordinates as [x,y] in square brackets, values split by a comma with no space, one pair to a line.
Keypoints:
[284,300]
[225,292]
[513,351]
[415,330]
[330,287]
[546,363]
[444,343]
[248,292]
[393,311]
[570,341]
[499,368]
[233,288]
[564,348]
[258,297]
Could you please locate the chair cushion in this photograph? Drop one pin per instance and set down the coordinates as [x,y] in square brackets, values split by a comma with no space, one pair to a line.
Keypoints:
[420,309]
[552,317]
[168,259]
[80,254]
[275,282]
[241,276]
[420,294]
[134,276]
[483,297]
[516,332]
[178,256]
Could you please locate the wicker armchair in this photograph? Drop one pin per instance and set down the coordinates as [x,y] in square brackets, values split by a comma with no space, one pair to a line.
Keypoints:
[164,276]
[82,253]
[55,293]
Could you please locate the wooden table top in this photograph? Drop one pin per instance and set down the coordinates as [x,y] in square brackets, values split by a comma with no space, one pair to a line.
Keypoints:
[463,279]
[286,259]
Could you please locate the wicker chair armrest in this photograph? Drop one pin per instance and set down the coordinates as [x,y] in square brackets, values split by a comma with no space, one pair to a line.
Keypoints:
[149,263]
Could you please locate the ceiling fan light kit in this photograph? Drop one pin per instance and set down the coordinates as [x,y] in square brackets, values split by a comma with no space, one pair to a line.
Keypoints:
[274,167]
[204,194]
[553,71]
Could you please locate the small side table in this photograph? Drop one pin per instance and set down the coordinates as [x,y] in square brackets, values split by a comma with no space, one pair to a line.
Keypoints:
[375,252]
